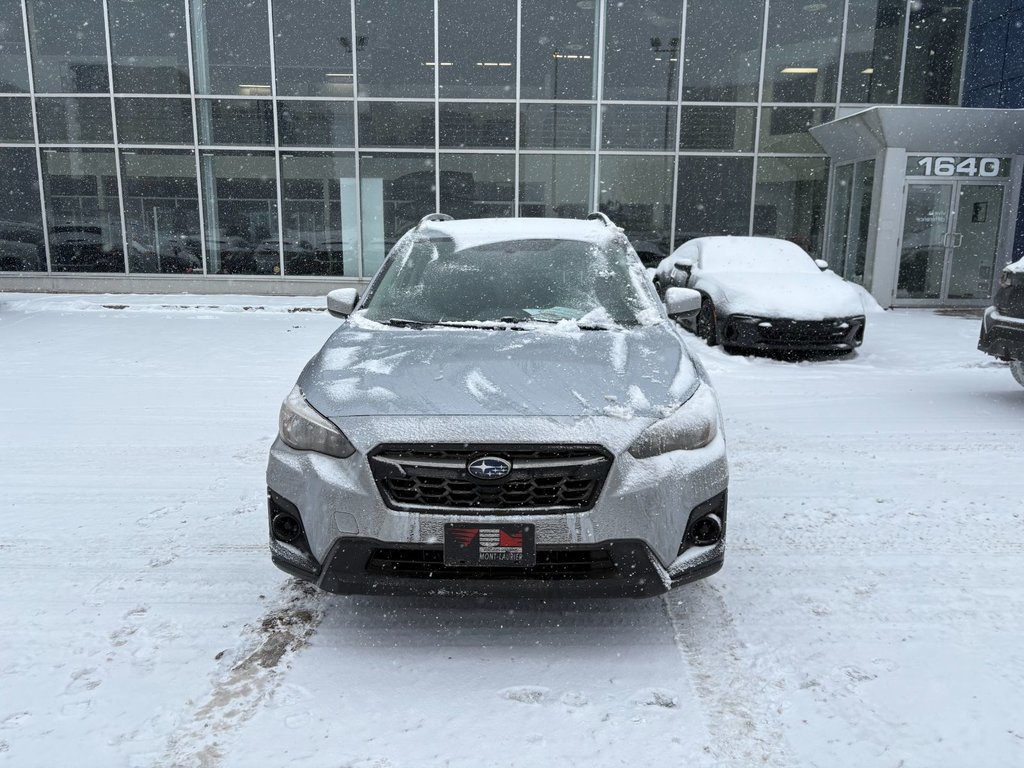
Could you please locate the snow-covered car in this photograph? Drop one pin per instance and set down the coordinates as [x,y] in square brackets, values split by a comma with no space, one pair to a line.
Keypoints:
[508,409]
[1002,328]
[763,293]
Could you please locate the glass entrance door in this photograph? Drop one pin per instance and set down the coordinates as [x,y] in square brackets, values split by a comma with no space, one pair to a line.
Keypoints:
[975,241]
[950,241]
[926,225]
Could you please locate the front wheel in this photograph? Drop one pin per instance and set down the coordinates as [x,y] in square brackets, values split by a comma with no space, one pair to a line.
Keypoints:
[707,324]
[1017,369]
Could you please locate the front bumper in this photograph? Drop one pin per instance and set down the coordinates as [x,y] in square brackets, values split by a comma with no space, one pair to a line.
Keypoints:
[640,521]
[357,566]
[1002,336]
[842,334]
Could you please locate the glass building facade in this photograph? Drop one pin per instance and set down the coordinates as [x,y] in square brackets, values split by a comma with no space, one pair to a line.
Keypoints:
[301,138]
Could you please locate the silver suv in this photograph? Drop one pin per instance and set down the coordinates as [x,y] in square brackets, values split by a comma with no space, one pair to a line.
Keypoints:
[508,409]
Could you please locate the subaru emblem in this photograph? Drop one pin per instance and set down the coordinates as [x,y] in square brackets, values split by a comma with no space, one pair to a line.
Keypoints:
[489,468]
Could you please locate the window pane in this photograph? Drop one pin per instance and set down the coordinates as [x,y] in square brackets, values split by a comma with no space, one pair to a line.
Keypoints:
[69,51]
[785,129]
[478,125]
[21,225]
[161,211]
[713,197]
[477,185]
[874,47]
[558,60]
[717,128]
[722,67]
[556,126]
[642,50]
[397,191]
[82,210]
[790,200]
[315,123]
[232,47]
[802,57]
[638,127]
[395,47]
[236,121]
[555,185]
[839,219]
[13,68]
[400,124]
[240,200]
[477,45]
[313,47]
[154,121]
[16,120]
[636,192]
[149,46]
[860,218]
[319,217]
[935,48]
[74,121]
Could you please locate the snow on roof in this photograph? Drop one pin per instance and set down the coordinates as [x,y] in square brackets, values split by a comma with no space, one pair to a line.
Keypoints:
[727,252]
[470,233]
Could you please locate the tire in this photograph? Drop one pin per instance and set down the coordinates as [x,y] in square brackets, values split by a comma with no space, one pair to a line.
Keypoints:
[707,323]
[1017,369]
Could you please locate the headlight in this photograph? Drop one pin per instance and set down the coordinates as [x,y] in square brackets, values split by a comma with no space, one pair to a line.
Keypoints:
[1005,278]
[304,429]
[692,425]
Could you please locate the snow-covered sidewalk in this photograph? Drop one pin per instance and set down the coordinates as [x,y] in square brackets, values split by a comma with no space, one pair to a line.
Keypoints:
[869,613]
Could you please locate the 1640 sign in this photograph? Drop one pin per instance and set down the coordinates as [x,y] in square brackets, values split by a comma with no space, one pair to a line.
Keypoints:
[948,166]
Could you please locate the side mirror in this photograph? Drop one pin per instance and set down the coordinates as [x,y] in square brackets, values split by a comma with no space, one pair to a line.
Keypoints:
[682,301]
[342,301]
[821,264]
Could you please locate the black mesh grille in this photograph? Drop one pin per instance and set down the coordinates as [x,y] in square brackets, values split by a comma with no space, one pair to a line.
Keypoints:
[542,479]
[807,330]
[428,563]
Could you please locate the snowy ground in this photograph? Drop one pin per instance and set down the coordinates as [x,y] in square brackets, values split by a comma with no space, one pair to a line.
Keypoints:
[870,612]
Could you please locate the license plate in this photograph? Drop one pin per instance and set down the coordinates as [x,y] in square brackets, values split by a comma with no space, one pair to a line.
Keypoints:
[475,544]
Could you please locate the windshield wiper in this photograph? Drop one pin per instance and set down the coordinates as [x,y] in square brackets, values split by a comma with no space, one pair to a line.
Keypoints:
[552,321]
[401,322]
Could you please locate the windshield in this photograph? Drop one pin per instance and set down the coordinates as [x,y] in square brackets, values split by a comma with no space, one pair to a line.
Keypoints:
[752,255]
[544,280]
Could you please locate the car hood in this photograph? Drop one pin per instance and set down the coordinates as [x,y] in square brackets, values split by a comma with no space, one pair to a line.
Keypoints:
[625,374]
[795,296]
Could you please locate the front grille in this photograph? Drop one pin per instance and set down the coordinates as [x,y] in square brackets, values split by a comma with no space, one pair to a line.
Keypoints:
[552,564]
[807,331]
[543,479]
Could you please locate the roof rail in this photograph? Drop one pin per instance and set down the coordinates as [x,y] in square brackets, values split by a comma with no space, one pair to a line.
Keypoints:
[434,217]
[598,216]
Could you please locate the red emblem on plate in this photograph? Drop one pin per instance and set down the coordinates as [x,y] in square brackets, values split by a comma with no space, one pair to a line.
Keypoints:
[510,539]
[465,536]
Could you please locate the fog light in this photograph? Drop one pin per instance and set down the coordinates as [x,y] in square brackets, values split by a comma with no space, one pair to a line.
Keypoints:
[285,527]
[706,531]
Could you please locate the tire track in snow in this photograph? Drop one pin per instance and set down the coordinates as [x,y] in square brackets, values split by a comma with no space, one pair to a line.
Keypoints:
[257,671]
[740,697]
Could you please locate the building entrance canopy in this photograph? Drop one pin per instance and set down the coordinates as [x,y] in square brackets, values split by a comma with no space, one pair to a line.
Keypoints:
[923,205]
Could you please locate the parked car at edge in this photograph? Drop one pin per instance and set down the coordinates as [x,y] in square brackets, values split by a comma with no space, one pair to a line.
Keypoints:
[508,409]
[1002,328]
[761,293]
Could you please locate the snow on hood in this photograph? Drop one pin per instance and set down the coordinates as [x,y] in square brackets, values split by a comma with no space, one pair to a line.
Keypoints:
[634,373]
[796,296]
[1016,267]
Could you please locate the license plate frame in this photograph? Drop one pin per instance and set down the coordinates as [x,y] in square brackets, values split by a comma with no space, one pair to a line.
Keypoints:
[490,545]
